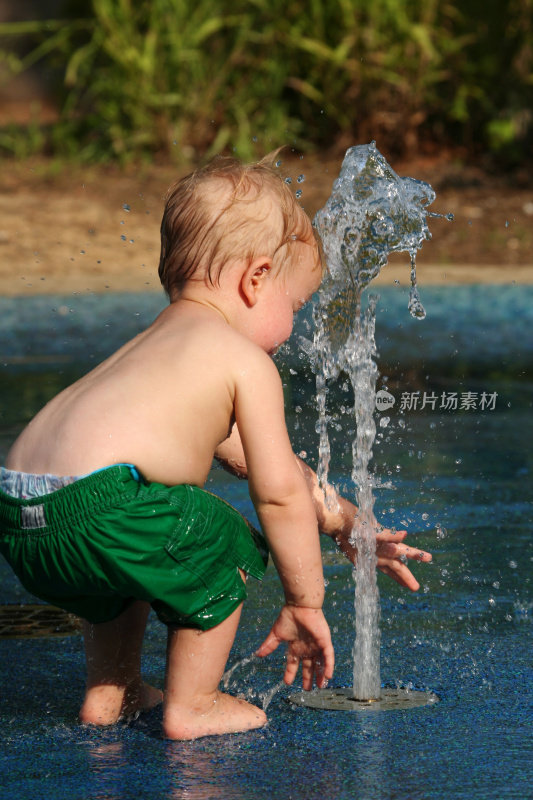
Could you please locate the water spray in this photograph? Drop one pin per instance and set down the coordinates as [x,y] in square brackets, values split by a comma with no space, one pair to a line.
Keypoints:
[371,213]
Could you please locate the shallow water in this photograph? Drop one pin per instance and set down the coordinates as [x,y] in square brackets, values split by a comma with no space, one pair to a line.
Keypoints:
[467,634]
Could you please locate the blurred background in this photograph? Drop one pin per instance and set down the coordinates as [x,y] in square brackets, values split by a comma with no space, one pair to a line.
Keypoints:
[104,103]
[106,80]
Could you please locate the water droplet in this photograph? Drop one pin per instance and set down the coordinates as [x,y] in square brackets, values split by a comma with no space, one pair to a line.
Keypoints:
[300,178]
[416,309]
[384,421]
[298,194]
[126,207]
[123,237]
[288,180]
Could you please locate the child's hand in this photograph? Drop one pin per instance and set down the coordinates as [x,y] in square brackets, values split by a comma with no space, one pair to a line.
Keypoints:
[309,641]
[392,556]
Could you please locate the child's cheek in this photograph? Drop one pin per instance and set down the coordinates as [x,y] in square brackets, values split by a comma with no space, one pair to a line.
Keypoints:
[289,324]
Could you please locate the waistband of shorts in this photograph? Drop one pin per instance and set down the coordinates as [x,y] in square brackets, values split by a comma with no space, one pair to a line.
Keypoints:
[96,490]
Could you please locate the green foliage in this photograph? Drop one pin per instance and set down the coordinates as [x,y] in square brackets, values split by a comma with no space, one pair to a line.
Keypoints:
[184,78]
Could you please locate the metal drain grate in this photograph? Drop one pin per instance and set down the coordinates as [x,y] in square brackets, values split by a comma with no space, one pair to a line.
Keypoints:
[35,620]
[343,700]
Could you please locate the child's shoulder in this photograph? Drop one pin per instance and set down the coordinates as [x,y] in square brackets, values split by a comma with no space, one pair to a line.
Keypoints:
[237,358]
[237,350]
[214,342]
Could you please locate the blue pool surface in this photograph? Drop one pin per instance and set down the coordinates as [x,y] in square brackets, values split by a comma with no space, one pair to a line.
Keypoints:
[460,482]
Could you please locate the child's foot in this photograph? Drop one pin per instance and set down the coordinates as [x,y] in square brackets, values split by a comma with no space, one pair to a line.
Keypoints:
[140,698]
[106,704]
[210,716]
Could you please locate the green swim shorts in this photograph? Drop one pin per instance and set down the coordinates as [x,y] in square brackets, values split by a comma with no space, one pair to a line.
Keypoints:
[107,539]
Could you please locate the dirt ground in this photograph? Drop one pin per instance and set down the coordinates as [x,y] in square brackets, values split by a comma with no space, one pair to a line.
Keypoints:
[96,229]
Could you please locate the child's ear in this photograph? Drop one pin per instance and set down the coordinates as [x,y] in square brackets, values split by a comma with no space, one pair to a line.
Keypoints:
[253,279]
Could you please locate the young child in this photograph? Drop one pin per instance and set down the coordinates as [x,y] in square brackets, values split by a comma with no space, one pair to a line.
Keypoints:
[102,510]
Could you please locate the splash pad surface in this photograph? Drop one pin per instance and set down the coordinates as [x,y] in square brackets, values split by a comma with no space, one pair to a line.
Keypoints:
[466,635]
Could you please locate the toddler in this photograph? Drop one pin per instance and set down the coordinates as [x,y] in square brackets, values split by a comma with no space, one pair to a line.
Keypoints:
[102,506]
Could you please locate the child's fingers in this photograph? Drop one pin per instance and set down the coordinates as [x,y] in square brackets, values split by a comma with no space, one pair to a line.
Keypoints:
[393,556]
[269,645]
[308,669]
[386,535]
[291,669]
[400,573]
[328,662]
[402,551]
[314,667]
[414,552]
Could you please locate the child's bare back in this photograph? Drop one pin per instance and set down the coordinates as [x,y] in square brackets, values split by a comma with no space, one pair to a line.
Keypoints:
[163,402]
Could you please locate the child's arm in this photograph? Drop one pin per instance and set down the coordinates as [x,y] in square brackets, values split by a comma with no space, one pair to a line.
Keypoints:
[276,484]
[285,510]
[337,523]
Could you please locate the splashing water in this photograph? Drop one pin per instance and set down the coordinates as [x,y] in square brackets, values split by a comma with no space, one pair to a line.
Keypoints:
[268,696]
[226,678]
[371,212]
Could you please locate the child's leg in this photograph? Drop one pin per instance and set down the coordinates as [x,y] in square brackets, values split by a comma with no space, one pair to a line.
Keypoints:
[113,656]
[193,705]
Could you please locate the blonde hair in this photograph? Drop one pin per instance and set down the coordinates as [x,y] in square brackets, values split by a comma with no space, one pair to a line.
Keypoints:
[224,211]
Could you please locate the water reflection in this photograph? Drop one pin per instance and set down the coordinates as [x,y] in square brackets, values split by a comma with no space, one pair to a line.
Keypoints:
[373,757]
[234,769]
[195,773]
[108,763]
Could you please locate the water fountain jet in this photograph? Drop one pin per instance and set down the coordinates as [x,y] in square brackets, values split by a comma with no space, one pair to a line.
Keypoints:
[371,213]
